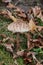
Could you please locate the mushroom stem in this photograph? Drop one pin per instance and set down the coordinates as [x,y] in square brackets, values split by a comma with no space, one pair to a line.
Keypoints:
[17,42]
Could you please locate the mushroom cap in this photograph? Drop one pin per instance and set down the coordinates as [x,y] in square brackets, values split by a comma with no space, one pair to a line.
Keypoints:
[19,26]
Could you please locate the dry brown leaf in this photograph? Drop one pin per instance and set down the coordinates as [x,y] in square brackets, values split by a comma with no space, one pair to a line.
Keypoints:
[32,25]
[8,47]
[27,56]
[37,42]
[20,12]
[40,16]
[38,63]
[40,28]
[18,53]
[10,6]
[4,12]
[36,10]
[22,15]
[3,35]
[11,16]
[8,14]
